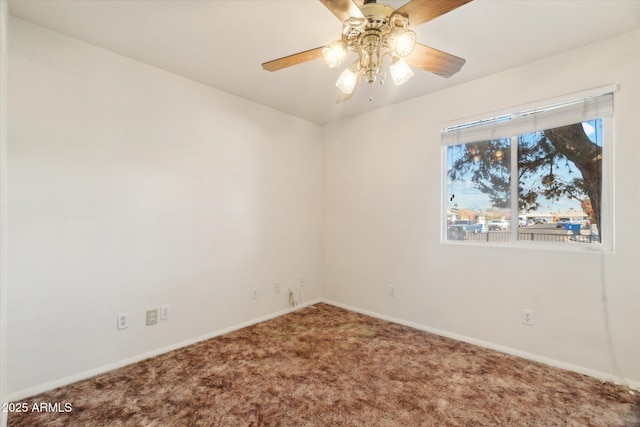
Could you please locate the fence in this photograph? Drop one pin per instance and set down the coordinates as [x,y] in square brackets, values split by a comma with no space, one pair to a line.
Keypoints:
[537,236]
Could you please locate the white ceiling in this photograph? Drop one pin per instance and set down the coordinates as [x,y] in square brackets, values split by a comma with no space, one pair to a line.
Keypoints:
[223,43]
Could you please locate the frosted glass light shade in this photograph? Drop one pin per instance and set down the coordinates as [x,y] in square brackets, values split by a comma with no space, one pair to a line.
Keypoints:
[347,81]
[405,43]
[400,71]
[333,54]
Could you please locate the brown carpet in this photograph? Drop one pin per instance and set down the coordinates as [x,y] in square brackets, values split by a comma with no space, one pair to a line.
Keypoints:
[325,366]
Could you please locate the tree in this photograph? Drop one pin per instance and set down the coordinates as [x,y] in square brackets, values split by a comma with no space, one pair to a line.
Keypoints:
[574,144]
[585,204]
[541,156]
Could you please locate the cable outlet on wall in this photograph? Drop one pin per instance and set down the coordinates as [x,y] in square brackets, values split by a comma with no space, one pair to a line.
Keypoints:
[527,317]
[164,312]
[302,283]
[276,287]
[123,320]
[152,317]
[293,300]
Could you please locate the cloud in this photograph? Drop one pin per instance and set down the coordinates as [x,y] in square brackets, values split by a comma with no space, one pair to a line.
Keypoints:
[588,128]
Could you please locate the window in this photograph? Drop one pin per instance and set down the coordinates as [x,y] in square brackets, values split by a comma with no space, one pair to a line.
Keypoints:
[536,175]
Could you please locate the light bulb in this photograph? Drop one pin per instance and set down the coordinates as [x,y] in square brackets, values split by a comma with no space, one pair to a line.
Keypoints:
[405,43]
[400,71]
[334,54]
[347,81]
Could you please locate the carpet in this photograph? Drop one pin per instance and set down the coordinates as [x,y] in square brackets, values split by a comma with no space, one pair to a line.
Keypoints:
[326,366]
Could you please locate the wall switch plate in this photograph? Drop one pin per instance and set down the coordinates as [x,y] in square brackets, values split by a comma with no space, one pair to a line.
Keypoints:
[123,320]
[164,312]
[254,293]
[393,291]
[152,317]
[527,317]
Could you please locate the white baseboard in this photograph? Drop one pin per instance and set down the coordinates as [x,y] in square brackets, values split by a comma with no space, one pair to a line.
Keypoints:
[22,394]
[635,385]
[41,388]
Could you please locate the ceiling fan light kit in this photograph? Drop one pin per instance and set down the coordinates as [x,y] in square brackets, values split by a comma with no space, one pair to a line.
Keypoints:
[403,41]
[334,53]
[375,31]
[400,71]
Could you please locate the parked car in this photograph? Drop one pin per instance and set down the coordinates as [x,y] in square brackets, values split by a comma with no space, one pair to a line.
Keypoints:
[562,221]
[498,224]
[462,227]
[540,221]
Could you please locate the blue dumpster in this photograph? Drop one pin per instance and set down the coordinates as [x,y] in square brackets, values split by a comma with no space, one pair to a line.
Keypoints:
[575,228]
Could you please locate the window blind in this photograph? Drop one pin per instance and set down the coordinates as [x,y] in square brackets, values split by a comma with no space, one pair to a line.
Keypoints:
[531,120]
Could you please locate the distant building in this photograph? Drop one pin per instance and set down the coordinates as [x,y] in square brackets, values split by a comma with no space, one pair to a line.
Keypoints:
[576,216]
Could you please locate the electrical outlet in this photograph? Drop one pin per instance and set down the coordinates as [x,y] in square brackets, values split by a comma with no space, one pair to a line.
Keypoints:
[152,317]
[255,293]
[276,288]
[527,317]
[393,291]
[123,320]
[164,312]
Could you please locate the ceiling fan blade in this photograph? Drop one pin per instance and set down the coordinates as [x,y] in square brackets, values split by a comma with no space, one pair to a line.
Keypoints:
[434,60]
[343,9]
[420,11]
[295,59]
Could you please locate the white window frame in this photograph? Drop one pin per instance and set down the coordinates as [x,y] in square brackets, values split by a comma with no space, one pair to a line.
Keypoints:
[607,231]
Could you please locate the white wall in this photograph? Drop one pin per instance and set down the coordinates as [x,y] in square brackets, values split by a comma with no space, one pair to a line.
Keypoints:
[4,14]
[130,188]
[382,216]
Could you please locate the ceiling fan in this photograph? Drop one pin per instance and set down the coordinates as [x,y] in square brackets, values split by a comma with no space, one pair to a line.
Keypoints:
[373,31]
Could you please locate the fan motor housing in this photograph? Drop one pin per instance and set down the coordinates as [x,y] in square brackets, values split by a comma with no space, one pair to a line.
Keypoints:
[376,21]
[377,14]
